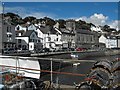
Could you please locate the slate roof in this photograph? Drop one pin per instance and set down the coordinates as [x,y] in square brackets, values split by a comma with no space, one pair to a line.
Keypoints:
[82,31]
[28,33]
[66,31]
[47,30]
[25,25]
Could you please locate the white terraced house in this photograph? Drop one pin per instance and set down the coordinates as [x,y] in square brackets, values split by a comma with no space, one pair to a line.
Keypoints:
[110,41]
[28,40]
[51,37]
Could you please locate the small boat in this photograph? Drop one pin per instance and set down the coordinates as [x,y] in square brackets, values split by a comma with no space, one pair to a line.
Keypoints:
[76,64]
[74,56]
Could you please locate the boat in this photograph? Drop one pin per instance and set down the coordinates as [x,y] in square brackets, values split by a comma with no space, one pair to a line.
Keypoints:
[30,68]
[76,64]
[18,73]
[74,56]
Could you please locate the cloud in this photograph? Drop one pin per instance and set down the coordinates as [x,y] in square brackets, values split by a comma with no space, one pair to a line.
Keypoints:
[115,24]
[100,19]
[97,19]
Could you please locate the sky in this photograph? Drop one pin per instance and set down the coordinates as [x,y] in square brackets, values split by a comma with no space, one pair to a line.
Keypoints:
[99,13]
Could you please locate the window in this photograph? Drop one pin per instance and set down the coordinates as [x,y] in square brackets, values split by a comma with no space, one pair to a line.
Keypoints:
[31,46]
[5,46]
[57,39]
[18,28]
[48,34]
[49,38]
[19,40]
[10,29]
[30,40]
[33,35]
[9,36]
[7,29]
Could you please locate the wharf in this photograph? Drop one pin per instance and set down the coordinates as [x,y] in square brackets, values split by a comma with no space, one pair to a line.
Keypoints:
[66,87]
[59,60]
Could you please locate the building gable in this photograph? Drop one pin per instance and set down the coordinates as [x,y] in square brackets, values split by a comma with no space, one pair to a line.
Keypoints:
[32,27]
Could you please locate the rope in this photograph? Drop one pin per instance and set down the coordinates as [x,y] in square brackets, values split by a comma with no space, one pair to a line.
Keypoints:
[46,71]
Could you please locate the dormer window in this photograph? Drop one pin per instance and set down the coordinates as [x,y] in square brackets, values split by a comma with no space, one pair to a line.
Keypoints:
[33,35]
[18,28]
[48,33]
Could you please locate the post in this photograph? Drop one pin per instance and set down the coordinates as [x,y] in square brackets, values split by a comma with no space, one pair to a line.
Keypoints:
[51,71]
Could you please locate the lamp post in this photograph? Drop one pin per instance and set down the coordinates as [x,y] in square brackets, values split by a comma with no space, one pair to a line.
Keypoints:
[117,37]
[51,65]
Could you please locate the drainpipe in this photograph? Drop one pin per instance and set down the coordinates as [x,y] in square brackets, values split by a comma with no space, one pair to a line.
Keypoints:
[117,41]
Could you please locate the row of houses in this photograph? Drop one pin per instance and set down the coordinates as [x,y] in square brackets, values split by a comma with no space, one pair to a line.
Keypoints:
[38,36]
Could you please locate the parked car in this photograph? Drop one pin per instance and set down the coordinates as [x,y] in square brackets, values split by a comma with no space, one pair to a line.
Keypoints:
[46,50]
[9,50]
[80,49]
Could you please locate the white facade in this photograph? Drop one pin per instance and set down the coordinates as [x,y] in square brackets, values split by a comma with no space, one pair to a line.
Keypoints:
[31,46]
[31,42]
[51,41]
[32,27]
[110,43]
[96,28]
[19,27]
[102,39]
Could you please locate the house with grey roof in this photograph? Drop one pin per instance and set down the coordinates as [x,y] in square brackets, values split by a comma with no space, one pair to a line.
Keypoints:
[82,38]
[111,41]
[7,35]
[22,27]
[51,37]
[28,40]
[86,39]
[67,38]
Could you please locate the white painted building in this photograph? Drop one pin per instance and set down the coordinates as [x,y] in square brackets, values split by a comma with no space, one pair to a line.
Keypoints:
[21,27]
[32,27]
[109,41]
[96,28]
[51,37]
[29,41]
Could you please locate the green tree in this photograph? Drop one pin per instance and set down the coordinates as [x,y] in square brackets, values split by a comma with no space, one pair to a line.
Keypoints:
[49,21]
[29,19]
[61,22]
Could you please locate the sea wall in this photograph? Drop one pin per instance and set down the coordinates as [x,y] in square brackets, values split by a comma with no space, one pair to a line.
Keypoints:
[85,54]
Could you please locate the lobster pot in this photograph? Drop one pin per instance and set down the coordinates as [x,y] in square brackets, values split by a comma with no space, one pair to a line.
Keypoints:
[116,80]
[101,77]
[116,76]
[85,86]
[103,64]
